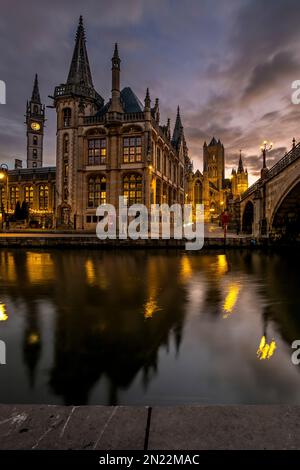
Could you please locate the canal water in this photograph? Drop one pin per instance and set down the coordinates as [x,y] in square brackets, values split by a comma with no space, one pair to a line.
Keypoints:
[149,327]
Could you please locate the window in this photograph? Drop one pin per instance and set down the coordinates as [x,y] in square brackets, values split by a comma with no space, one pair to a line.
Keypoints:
[132,189]
[66,170]
[29,195]
[35,109]
[14,196]
[97,151]
[164,165]
[158,159]
[66,117]
[34,165]
[66,144]
[43,197]
[96,191]
[198,193]
[35,140]
[34,153]
[132,149]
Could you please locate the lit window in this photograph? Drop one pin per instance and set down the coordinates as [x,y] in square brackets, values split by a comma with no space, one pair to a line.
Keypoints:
[96,191]
[35,140]
[132,149]
[43,197]
[132,188]
[29,195]
[14,196]
[97,151]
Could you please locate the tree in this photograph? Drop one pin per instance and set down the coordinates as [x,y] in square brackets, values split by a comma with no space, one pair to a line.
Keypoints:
[18,212]
[24,213]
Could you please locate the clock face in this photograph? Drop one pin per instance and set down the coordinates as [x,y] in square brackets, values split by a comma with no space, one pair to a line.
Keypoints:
[35,126]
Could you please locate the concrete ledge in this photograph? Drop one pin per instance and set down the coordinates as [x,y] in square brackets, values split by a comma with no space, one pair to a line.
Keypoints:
[159,428]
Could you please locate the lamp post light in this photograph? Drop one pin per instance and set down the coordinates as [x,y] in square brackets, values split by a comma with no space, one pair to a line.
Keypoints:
[4,178]
[265,147]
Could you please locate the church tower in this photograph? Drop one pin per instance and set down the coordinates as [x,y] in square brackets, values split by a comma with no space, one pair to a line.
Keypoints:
[35,120]
[214,162]
[73,101]
[239,179]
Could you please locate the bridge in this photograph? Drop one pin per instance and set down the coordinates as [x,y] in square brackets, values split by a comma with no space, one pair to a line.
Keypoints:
[271,206]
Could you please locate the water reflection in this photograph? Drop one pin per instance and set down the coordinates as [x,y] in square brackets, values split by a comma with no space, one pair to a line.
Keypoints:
[148,327]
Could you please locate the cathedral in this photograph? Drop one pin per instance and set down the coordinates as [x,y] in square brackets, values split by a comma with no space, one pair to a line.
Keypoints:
[106,149]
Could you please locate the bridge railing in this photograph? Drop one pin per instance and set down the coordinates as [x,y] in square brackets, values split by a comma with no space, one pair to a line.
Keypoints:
[285,161]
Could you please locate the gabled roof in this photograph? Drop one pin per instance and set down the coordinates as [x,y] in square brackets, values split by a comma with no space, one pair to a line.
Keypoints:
[130,102]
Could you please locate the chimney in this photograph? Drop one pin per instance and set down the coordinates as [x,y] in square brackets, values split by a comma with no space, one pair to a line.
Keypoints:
[18,163]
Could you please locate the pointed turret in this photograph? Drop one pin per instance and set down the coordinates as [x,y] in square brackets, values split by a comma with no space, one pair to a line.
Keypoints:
[80,72]
[213,142]
[178,129]
[35,97]
[147,100]
[240,167]
[115,82]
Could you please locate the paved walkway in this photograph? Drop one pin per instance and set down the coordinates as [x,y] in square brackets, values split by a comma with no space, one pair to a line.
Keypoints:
[143,428]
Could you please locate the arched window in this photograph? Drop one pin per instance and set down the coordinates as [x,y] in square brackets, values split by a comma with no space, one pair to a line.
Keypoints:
[35,140]
[96,191]
[14,196]
[132,188]
[43,197]
[66,117]
[34,153]
[29,195]
[35,109]
[158,191]
[66,145]
[198,192]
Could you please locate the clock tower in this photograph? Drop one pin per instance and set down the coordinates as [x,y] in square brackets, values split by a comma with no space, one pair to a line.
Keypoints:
[35,119]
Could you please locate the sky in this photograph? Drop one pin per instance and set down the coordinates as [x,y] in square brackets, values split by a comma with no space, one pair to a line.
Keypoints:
[229,65]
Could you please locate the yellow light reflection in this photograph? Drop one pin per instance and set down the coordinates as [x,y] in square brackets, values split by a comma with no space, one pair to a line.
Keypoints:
[90,271]
[265,350]
[3,314]
[186,270]
[222,267]
[231,299]
[33,338]
[150,307]
[40,267]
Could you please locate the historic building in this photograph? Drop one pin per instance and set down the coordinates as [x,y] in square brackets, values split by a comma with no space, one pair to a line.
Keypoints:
[211,188]
[114,148]
[32,187]
[109,149]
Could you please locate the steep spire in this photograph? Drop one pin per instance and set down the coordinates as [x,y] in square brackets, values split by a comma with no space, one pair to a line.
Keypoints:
[147,100]
[35,97]
[178,128]
[80,72]
[240,167]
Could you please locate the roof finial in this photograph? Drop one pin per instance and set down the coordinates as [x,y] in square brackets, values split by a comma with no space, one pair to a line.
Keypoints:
[116,52]
[294,142]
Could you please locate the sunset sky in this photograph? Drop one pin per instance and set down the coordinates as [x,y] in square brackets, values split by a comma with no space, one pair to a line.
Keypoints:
[228,64]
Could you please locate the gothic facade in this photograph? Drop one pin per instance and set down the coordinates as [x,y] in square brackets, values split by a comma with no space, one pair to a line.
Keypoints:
[107,149]
[111,149]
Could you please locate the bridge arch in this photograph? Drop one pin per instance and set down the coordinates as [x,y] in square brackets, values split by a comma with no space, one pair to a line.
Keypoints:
[286,215]
[248,218]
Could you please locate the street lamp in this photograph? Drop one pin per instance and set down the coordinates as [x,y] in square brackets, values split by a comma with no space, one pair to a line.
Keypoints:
[265,147]
[4,177]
